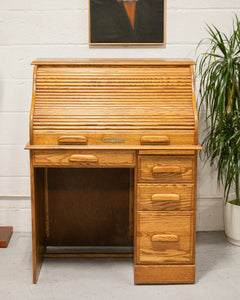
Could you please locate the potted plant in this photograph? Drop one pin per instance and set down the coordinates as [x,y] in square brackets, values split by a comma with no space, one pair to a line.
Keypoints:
[219,70]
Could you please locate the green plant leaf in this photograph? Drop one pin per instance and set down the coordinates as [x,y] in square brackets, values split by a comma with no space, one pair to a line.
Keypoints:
[219,71]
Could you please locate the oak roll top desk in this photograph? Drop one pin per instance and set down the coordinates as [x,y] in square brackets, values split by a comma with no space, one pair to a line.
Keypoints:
[113,159]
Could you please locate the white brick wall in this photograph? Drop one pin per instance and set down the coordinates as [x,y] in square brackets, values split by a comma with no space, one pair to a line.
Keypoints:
[59,28]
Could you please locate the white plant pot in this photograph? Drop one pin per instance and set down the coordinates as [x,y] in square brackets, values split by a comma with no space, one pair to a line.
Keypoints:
[232,223]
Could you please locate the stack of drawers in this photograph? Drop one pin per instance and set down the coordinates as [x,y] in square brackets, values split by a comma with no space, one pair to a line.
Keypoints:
[165,218]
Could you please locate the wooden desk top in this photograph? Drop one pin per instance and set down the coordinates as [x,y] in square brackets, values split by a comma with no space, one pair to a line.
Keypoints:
[115,61]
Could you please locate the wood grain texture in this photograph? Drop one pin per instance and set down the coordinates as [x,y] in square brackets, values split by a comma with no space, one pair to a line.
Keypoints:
[84,158]
[176,150]
[166,169]
[5,235]
[38,218]
[154,245]
[89,207]
[46,202]
[32,105]
[130,97]
[72,140]
[131,201]
[184,199]
[144,150]
[135,212]
[81,159]
[104,137]
[194,103]
[165,274]
[155,139]
[165,197]
[109,62]
[165,238]
[114,144]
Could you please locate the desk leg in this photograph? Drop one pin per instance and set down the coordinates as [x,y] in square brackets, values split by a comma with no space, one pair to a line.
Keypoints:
[131,203]
[38,218]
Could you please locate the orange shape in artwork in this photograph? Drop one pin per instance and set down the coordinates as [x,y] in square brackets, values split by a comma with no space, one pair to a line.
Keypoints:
[130,9]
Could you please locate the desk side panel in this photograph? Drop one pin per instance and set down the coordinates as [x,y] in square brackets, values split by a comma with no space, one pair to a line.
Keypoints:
[38,218]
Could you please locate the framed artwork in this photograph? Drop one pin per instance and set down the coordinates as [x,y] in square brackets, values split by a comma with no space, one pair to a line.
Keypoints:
[126,22]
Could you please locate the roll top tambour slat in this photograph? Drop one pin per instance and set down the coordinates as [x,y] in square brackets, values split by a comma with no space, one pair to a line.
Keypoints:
[135,97]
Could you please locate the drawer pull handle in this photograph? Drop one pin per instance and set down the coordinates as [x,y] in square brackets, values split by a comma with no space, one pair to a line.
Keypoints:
[83,158]
[165,238]
[155,139]
[72,140]
[165,197]
[158,169]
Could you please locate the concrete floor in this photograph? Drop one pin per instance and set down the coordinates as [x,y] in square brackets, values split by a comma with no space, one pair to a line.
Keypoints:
[217,275]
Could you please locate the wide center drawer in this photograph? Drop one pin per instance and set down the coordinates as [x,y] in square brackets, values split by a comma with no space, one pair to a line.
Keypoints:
[166,169]
[104,137]
[165,196]
[165,238]
[84,158]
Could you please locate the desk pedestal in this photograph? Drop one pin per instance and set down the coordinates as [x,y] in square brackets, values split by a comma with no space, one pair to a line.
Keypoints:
[120,198]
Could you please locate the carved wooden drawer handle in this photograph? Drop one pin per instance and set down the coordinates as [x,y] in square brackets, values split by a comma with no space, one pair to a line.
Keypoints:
[72,140]
[155,139]
[168,169]
[83,158]
[164,238]
[165,197]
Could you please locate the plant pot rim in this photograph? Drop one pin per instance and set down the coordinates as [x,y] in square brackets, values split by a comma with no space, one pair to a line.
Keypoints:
[233,204]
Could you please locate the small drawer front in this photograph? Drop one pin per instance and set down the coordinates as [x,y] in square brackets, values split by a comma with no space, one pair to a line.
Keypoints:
[175,169]
[77,158]
[164,238]
[165,196]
